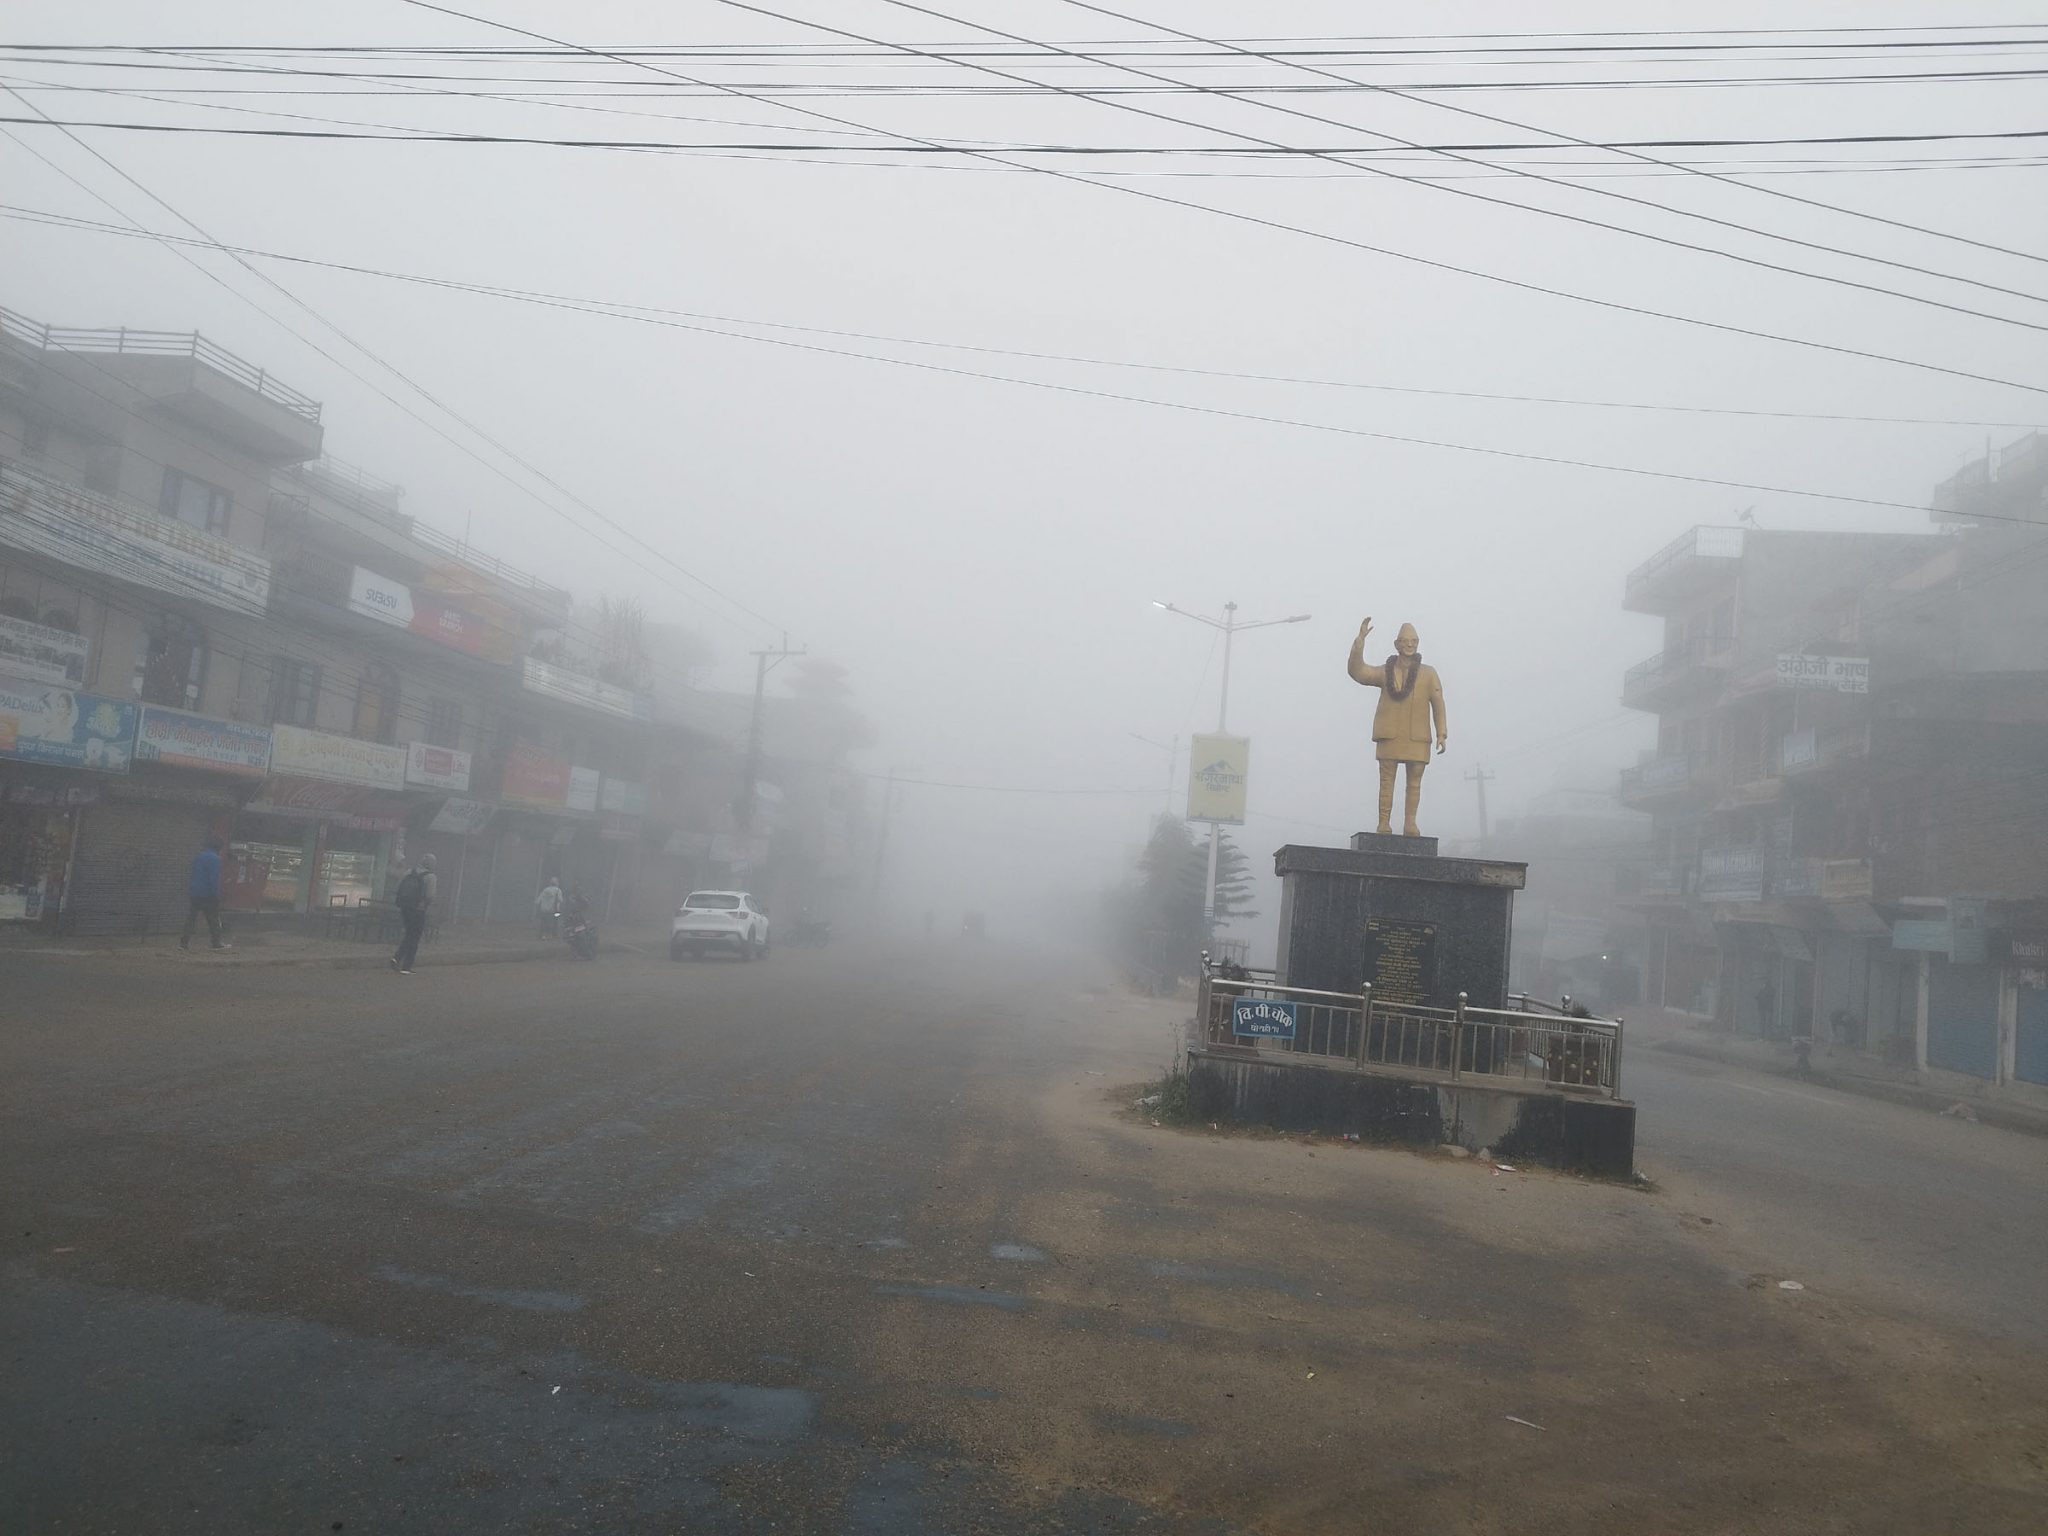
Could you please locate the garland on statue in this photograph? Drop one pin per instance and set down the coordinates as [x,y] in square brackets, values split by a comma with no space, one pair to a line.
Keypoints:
[1395,688]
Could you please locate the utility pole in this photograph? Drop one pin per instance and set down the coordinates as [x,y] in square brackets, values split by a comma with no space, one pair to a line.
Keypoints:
[1172,751]
[882,833]
[1482,778]
[763,662]
[1230,626]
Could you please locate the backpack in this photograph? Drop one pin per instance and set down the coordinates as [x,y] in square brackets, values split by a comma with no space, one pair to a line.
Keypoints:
[411,893]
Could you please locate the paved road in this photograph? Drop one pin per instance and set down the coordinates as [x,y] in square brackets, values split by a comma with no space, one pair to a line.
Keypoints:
[855,1243]
[1922,1211]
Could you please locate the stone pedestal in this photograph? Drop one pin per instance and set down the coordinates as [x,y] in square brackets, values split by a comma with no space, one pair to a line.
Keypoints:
[1390,910]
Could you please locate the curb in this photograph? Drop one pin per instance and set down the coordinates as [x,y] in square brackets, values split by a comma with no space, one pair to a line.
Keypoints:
[378,960]
[1908,1095]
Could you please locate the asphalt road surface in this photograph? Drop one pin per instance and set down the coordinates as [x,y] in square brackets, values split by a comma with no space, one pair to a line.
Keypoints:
[855,1242]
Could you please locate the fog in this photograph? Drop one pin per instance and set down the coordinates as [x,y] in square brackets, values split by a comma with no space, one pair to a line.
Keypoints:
[982,554]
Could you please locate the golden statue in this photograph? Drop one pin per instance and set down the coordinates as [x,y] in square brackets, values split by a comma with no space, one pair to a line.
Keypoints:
[1411,699]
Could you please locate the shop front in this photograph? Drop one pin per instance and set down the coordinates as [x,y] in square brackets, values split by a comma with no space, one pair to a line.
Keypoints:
[322,824]
[549,827]
[59,751]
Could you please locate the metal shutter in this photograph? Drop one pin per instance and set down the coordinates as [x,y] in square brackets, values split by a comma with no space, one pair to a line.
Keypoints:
[129,867]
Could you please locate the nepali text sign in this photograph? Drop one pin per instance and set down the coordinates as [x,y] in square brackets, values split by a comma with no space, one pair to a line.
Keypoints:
[533,777]
[465,818]
[1400,960]
[423,614]
[345,759]
[41,654]
[626,797]
[179,739]
[1218,767]
[1263,1018]
[79,527]
[568,687]
[41,723]
[436,767]
[584,784]
[1832,674]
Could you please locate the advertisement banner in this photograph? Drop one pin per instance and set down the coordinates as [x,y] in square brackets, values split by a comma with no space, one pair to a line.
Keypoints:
[568,687]
[534,777]
[345,759]
[465,818]
[330,800]
[626,797]
[1845,880]
[436,767]
[584,784]
[179,739]
[41,654]
[1217,769]
[133,543]
[1832,674]
[1799,750]
[40,723]
[427,615]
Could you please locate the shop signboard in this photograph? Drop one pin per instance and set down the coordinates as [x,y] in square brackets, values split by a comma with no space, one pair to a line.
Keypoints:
[427,615]
[584,784]
[465,818]
[1966,929]
[1929,935]
[179,739]
[330,800]
[1798,751]
[1845,880]
[41,654]
[626,797]
[346,759]
[1263,1018]
[1829,674]
[1217,770]
[134,543]
[42,723]
[436,767]
[567,687]
[536,778]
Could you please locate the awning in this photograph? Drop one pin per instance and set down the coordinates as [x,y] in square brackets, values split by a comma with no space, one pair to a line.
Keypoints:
[1788,942]
[345,805]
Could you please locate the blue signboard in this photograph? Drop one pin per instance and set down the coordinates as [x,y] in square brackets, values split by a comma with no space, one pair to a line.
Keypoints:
[1261,1018]
[42,723]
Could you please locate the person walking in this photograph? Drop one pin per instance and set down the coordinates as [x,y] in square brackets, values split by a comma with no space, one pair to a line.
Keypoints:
[547,906]
[202,893]
[415,894]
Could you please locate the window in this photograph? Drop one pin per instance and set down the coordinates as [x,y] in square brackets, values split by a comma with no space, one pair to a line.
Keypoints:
[194,502]
[173,662]
[377,703]
[295,692]
[444,723]
[14,607]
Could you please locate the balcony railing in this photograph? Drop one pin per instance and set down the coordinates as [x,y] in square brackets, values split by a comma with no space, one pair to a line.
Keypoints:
[1687,551]
[1671,672]
[187,344]
[1657,778]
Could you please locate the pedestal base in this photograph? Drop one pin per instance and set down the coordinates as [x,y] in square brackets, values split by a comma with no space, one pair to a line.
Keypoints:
[1420,928]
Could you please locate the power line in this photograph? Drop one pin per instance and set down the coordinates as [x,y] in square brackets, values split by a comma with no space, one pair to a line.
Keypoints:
[1276,224]
[624,309]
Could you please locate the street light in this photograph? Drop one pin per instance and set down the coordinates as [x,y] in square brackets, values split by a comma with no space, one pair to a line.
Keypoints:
[1230,625]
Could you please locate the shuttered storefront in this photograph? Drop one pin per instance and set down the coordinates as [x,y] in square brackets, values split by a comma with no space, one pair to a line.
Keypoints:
[1962,1018]
[129,869]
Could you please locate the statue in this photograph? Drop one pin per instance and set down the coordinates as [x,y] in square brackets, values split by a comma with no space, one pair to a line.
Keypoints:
[1411,699]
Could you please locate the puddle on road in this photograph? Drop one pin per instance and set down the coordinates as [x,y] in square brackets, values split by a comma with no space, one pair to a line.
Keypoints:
[958,1295]
[1019,1253]
[524,1301]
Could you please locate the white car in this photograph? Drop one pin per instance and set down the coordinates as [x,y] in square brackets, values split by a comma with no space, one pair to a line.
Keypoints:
[719,920]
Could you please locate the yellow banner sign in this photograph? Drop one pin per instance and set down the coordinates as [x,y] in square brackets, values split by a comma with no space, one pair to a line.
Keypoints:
[1217,767]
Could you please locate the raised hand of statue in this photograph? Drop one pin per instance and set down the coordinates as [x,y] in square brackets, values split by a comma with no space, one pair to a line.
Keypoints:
[1365,628]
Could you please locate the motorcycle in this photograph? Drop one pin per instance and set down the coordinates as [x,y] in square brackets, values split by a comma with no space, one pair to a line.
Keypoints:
[811,932]
[581,935]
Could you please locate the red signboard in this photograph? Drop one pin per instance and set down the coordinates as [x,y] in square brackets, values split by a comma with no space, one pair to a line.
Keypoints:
[534,777]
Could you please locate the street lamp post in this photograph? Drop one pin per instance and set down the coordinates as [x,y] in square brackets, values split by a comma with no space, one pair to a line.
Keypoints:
[1230,625]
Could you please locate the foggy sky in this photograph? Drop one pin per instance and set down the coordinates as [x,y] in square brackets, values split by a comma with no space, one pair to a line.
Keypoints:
[983,556]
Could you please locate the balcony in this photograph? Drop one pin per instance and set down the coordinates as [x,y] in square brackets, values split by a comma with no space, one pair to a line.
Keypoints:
[1675,676]
[2009,484]
[1690,566]
[1815,756]
[190,376]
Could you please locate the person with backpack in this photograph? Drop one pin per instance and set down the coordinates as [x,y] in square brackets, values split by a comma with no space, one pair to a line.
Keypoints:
[414,895]
[547,906]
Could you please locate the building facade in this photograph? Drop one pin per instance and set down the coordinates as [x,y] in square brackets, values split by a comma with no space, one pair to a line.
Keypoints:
[1849,827]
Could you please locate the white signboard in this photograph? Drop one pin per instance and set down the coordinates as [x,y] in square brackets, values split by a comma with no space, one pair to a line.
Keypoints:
[554,682]
[42,654]
[584,784]
[346,759]
[379,597]
[80,527]
[465,818]
[436,767]
[625,796]
[1832,674]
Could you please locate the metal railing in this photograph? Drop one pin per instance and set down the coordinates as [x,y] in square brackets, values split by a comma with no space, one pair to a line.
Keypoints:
[1530,1042]
[1706,542]
[188,344]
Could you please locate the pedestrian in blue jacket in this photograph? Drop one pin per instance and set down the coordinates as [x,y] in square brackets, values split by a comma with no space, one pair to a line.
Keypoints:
[202,890]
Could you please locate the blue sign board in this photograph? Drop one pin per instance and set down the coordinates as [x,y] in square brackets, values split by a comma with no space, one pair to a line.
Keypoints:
[1261,1018]
[42,723]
